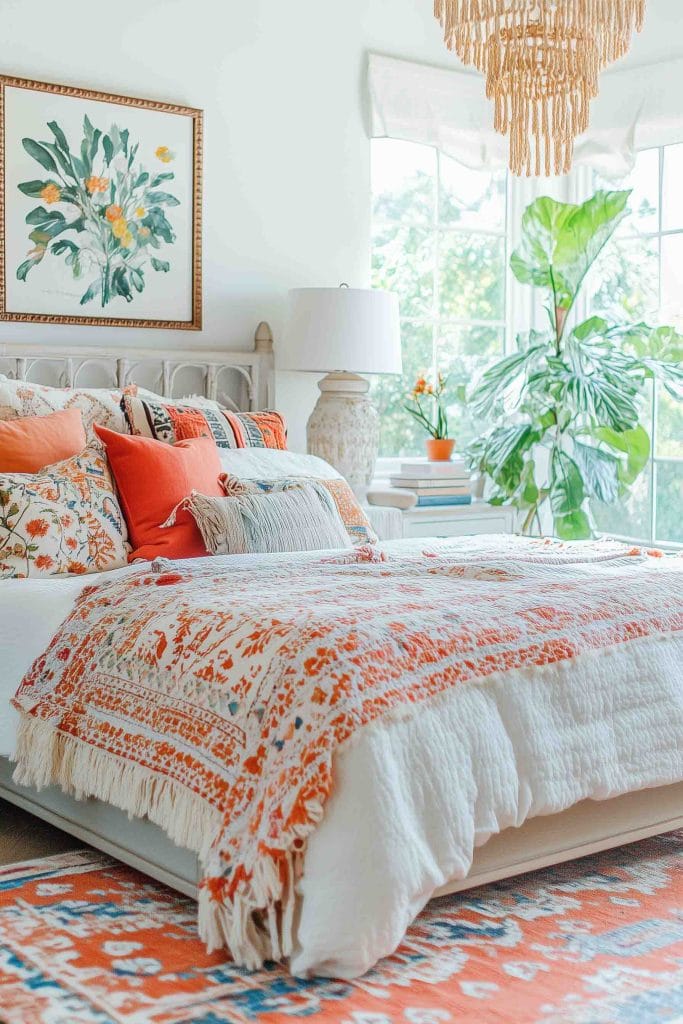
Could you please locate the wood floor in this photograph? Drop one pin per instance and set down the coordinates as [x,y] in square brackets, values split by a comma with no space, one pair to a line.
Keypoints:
[23,837]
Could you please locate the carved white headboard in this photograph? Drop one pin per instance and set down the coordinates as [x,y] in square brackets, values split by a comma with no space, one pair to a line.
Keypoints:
[239,380]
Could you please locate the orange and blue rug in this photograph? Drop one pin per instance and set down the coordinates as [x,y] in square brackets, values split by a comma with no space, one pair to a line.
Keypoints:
[85,940]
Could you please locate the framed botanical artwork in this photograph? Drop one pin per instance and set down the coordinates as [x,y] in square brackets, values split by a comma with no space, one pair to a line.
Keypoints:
[100,208]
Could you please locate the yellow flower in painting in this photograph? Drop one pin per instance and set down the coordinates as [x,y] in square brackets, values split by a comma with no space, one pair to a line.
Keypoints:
[143,232]
[51,193]
[140,212]
[119,227]
[113,212]
[164,154]
[95,184]
[127,240]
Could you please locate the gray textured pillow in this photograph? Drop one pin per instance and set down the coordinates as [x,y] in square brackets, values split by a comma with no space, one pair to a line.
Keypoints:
[298,519]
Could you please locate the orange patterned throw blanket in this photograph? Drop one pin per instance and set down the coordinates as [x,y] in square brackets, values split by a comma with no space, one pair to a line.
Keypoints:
[212,695]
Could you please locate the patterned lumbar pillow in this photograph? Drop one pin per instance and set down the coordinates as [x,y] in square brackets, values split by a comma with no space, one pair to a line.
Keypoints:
[352,515]
[64,519]
[302,518]
[150,415]
[96,405]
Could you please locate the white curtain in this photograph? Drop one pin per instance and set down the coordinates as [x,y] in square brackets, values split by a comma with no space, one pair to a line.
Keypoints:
[448,109]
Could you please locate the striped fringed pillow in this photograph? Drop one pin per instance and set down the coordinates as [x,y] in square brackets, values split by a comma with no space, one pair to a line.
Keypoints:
[298,519]
[170,421]
[352,515]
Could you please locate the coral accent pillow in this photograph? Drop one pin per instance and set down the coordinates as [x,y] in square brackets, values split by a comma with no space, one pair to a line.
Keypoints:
[31,443]
[152,478]
[65,519]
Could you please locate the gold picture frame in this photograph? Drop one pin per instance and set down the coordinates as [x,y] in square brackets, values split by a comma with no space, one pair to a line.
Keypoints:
[118,245]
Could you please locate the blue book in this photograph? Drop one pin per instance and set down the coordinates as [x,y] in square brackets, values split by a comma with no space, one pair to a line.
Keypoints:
[432,501]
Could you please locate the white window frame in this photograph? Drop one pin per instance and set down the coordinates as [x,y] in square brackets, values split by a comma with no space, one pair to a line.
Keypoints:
[523,307]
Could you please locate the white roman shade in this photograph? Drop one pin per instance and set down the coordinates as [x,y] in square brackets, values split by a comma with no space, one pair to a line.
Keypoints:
[448,109]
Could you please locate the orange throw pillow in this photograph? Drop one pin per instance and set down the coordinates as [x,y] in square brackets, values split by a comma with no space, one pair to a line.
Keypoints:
[30,443]
[152,477]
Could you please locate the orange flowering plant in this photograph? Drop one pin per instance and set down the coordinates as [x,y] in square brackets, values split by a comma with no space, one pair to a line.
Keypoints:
[436,423]
[101,209]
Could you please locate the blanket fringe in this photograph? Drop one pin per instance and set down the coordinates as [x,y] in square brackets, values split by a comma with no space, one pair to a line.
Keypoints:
[256,923]
[47,757]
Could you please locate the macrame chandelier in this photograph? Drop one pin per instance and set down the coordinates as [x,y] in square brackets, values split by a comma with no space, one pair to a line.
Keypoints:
[541,59]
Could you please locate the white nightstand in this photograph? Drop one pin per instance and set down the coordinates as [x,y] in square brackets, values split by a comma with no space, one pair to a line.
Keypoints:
[457,521]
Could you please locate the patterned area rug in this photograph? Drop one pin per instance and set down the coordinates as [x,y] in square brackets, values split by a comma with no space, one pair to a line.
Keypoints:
[84,940]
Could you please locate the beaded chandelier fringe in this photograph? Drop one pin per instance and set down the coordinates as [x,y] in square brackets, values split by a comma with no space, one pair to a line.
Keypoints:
[541,59]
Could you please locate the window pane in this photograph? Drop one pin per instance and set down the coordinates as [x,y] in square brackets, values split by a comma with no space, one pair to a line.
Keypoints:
[472,276]
[630,517]
[456,342]
[403,182]
[669,426]
[462,354]
[403,262]
[644,200]
[400,434]
[672,277]
[669,494]
[471,199]
[624,282]
[672,193]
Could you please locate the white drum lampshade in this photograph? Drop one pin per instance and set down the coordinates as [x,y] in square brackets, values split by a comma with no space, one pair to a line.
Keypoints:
[343,332]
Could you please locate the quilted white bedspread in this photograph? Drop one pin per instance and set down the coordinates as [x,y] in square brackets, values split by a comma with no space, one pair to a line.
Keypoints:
[412,799]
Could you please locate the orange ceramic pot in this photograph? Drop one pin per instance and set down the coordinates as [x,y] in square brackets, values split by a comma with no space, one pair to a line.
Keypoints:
[440,450]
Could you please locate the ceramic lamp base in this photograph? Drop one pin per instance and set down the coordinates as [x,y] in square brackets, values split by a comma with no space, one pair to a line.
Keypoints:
[344,428]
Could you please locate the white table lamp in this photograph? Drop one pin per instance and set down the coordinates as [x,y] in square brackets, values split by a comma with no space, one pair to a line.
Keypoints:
[343,332]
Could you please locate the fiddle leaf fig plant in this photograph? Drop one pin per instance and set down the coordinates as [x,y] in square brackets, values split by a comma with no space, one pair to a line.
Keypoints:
[567,405]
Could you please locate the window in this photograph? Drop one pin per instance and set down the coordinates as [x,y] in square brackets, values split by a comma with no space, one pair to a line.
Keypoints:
[639,276]
[440,244]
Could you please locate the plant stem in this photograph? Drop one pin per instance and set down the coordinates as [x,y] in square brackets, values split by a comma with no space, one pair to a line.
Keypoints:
[106,284]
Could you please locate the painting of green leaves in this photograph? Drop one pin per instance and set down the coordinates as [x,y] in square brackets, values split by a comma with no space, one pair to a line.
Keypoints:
[107,199]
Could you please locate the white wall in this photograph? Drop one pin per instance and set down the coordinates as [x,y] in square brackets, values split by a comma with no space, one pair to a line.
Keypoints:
[287,156]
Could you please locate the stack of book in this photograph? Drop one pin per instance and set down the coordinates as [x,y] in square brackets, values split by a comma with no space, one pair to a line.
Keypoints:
[435,483]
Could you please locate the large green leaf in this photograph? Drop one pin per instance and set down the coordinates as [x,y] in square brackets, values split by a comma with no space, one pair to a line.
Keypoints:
[40,154]
[560,241]
[596,381]
[499,378]
[40,215]
[600,471]
[60,137]
[35,188]
[567,493]
[162,199]
[635,444]
[574,526]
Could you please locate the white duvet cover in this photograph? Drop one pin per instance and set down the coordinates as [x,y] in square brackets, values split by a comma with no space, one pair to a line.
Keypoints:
[413,799]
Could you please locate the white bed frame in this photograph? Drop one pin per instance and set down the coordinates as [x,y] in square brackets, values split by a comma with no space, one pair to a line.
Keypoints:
[586,828]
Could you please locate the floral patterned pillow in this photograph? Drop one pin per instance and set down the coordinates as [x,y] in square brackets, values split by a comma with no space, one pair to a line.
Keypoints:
[64,519]
[97,405]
